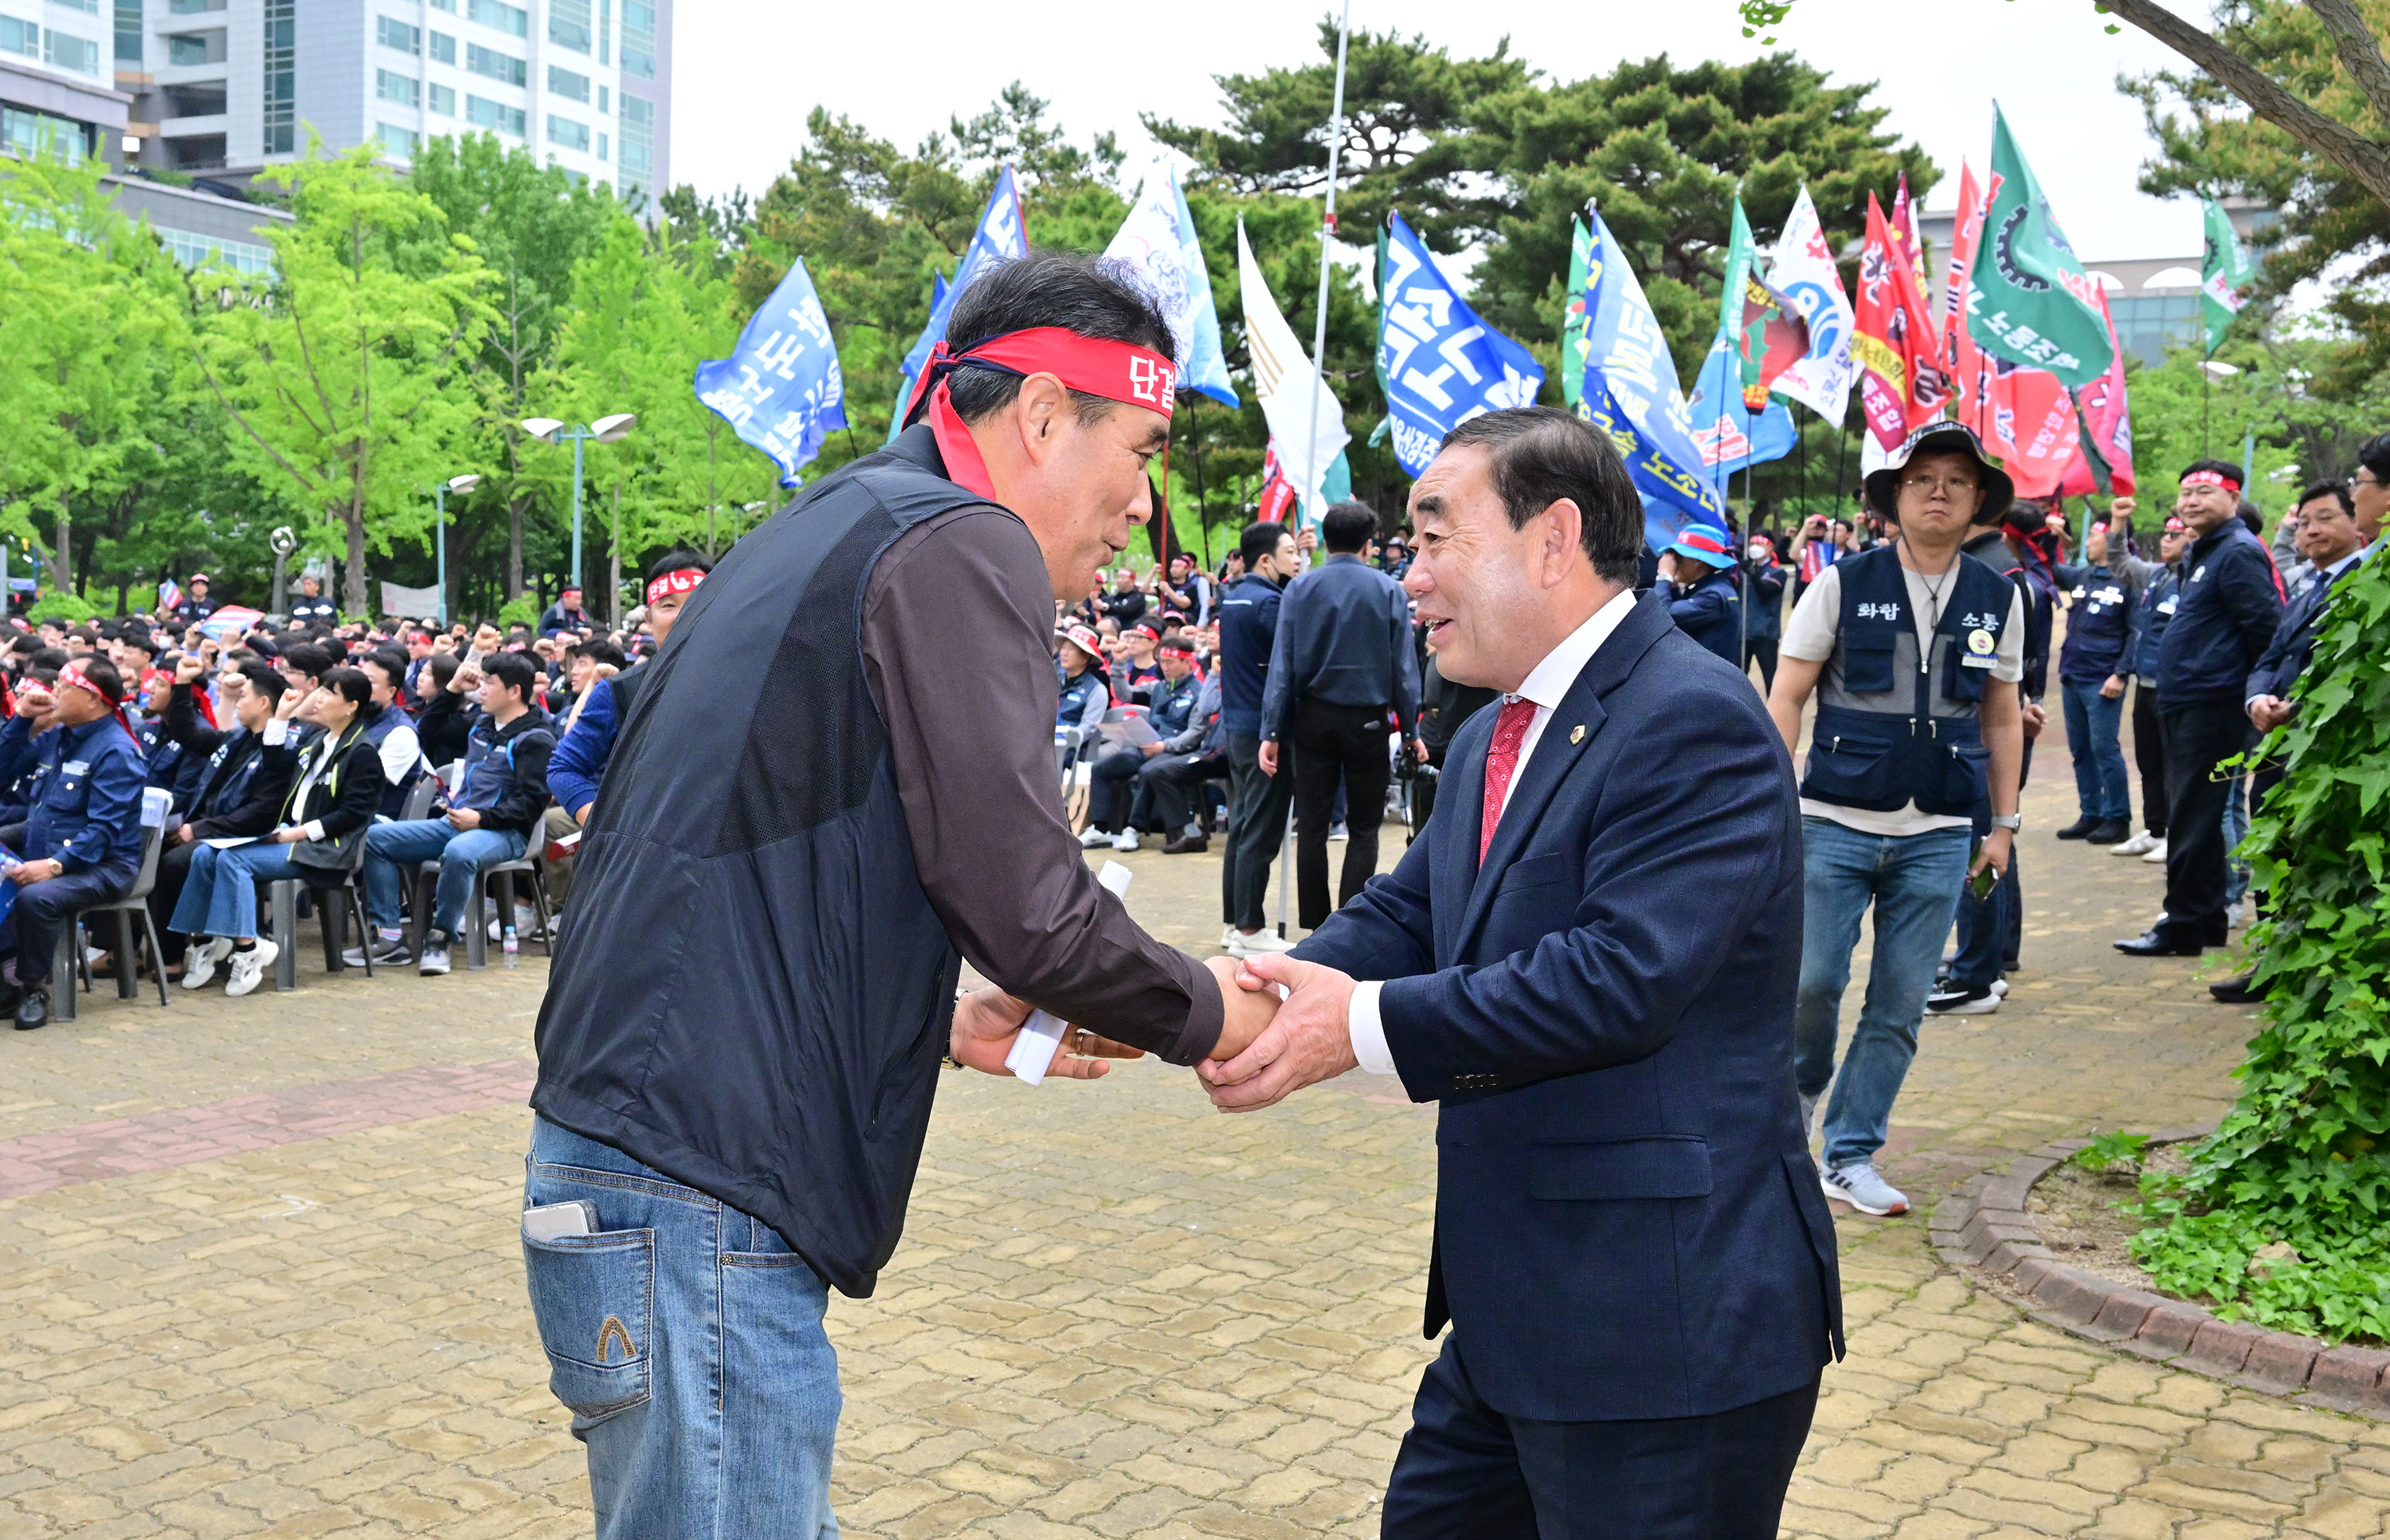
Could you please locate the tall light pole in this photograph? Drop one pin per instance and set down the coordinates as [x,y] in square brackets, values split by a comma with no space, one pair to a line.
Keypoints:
[1317,474]
[2210,369]
[459,485]
[612,429]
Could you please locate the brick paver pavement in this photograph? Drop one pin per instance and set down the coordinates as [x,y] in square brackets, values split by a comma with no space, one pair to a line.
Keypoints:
[260,1278]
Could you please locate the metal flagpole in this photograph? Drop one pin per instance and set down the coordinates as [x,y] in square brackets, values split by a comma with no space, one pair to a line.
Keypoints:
[1315,474]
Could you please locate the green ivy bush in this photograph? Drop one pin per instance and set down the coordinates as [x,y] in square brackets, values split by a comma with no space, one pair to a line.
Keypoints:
[2303,1159]
[65,609]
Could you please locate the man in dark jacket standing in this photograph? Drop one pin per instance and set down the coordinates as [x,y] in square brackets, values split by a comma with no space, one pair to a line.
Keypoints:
[1340,665]
[2103,595]
[1700,597]
[1257,800]
[816,806]
[2230,603]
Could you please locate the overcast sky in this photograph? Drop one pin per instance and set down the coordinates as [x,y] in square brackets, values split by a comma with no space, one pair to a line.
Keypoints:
[747,74]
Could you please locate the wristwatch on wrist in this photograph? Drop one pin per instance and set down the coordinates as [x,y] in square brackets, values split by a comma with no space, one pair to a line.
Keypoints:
[2009,821]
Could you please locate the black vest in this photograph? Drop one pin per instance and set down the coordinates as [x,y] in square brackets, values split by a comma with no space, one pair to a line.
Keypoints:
[1896,726]
[752,991]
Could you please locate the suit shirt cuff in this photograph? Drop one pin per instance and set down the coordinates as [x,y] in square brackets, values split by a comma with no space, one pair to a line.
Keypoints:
[315,828]
[1368,1030]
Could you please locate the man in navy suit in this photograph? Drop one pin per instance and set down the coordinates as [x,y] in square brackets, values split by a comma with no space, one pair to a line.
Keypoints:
[1589,958]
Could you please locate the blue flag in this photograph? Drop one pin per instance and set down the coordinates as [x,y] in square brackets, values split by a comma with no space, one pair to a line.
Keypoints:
[1729,435]
[1441,364]
[1631,393]
[781,389]
[1001,236]
[1158,240]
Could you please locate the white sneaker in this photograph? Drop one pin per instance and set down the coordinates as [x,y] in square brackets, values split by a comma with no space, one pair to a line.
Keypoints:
[199,963]
[1859,1185]
[1260,943]
[1338,832]
[1227,938]
[526,925]
[2140,844]
[2000,988]
[248,967]
[1091,837]
[2155,854]
[2236,915]
[1124,841]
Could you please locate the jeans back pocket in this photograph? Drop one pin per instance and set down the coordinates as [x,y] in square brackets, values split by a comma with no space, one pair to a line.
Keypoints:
[593,1297]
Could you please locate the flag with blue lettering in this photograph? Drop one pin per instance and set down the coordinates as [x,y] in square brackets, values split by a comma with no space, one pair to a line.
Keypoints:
[1631,393]
[1441,364]
[1002,235]
[781,389]
[1732,436]
[1158,240]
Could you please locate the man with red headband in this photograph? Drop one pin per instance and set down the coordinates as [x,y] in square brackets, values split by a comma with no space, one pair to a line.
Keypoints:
[2231,602]
[80,840]
[776,892]
[564,615]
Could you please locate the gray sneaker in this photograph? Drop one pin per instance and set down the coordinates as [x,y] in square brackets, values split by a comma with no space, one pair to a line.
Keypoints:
[1859,1185]
[435,954]
[388,952]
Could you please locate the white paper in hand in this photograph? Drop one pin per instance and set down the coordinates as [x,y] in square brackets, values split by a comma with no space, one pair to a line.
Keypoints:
[1041,1035]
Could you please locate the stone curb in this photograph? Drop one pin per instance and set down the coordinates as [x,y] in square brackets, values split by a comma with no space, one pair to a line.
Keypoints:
[1984,1224]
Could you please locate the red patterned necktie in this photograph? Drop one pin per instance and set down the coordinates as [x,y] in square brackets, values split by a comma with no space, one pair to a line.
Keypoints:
[1501,763]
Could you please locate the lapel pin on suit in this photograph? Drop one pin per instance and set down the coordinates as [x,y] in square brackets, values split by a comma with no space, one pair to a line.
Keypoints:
[1576,734]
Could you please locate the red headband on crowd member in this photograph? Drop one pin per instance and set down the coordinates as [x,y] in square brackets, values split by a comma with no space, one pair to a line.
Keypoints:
[2177,525]
[2211,479]
[1091,365]
[1175,651]
[680,579]
[72,675]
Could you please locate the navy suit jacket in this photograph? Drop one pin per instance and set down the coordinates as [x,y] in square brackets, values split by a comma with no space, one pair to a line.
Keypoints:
[2294,638]
[1628,1223]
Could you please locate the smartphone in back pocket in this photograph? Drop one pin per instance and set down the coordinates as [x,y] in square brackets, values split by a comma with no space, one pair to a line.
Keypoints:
[553,1221]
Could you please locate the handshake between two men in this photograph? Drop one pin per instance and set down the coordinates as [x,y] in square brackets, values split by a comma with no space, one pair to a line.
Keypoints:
[1270,1044]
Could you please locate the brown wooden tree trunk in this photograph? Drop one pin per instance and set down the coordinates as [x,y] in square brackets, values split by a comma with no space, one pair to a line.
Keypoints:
[354,600]
[63,556]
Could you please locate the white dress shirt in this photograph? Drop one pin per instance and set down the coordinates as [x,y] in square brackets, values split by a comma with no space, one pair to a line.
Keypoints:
[1546,685]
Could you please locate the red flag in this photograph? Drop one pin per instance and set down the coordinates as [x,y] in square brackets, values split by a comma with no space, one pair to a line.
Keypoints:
[1903,232]
[1901,375]
[1963,364]
[1278,494]
[2036,429]
[2112,424]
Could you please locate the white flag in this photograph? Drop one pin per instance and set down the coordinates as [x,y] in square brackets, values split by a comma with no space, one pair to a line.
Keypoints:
[1287,384]
[1803,271]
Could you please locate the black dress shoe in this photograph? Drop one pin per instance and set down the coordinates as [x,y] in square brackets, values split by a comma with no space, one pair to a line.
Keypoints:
[2235,992]
[1188,844]
[2115,832]
[2160,943]
[33,1010]
[2078,829]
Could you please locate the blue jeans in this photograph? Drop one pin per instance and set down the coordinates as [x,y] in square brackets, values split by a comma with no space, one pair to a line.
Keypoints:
[1913,881]
[463,856]
[686,1341]
[220,896]
[2092,723]
[2235,828]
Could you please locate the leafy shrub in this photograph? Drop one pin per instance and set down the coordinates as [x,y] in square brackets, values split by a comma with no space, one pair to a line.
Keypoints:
[65,609]
[2110,1151]
[2304,1156]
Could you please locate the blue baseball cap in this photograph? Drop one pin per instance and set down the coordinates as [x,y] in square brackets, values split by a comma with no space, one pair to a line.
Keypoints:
[1703,542]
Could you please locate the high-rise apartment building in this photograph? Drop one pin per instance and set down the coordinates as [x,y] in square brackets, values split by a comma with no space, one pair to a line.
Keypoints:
[227,88]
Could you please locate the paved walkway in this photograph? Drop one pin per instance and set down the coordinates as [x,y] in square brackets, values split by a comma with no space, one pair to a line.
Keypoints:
[258,1264]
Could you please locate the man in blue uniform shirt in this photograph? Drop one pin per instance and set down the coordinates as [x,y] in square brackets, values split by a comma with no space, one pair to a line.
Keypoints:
[80,840]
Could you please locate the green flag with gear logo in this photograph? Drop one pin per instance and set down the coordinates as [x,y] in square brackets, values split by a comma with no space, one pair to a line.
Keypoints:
[1573,315]
[2035,305]
[2223,276]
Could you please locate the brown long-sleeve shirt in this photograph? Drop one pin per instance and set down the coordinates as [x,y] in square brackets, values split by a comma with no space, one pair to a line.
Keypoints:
[957,644]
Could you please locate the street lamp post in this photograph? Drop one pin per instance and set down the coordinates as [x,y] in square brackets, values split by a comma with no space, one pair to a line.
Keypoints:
[609,429]
[459,485]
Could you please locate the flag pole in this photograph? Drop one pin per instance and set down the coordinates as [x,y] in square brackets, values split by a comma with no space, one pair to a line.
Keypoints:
[1314,473]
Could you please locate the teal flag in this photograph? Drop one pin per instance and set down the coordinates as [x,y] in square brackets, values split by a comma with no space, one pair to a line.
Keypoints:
[2034,305]
[1573,359]
[2223,276]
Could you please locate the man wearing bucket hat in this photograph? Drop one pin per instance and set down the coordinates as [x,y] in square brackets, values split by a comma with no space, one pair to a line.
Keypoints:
[1700,596]
[1914,651]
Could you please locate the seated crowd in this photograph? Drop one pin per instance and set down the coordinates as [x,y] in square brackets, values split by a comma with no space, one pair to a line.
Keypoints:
[297,751]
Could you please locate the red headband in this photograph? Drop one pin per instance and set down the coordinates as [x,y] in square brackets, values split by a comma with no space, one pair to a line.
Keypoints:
[680,579]
[1091,365]
[1179,652]
[2210,478]
[73,676]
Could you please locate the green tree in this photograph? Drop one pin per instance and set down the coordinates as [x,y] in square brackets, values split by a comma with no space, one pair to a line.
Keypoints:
[347,379]
[1407,106]
[531,225]
[93,330]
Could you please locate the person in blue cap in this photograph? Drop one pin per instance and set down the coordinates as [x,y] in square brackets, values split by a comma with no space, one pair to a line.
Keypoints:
[1700,596]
